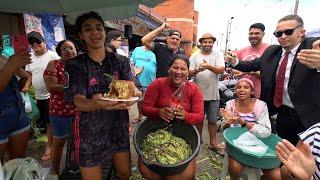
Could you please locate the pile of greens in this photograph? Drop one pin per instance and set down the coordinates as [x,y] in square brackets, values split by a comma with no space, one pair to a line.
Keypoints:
[164,148]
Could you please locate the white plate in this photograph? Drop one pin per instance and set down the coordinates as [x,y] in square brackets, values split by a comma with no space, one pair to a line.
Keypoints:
[120,100]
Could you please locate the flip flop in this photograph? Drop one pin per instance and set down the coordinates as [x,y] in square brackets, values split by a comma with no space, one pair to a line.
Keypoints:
[46,157]
[217,150]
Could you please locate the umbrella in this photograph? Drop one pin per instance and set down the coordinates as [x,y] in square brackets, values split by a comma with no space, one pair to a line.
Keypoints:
[108,9]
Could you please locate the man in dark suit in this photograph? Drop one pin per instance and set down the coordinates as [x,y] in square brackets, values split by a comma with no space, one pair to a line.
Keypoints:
[289,87]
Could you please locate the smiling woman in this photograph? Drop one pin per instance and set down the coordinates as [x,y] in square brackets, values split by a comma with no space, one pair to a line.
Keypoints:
[178,71]
[188,106]
[102,126]
[251,113]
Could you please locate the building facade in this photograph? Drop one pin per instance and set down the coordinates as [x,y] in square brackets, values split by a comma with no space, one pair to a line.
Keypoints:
[180,14]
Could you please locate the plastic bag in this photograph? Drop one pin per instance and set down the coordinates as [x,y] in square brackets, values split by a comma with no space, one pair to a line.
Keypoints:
[27,102]
[23,169]
[251,144]
[35,113]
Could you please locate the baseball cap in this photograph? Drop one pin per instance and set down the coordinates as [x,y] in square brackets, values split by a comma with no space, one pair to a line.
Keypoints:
[35,35]
[174,32]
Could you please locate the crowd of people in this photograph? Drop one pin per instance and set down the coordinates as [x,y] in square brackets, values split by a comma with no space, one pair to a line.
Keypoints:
[279,79]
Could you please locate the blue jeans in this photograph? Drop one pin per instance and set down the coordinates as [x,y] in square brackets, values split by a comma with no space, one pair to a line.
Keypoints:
[13,120]
[61,125]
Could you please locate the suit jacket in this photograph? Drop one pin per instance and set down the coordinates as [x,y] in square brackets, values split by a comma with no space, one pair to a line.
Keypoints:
[303,87]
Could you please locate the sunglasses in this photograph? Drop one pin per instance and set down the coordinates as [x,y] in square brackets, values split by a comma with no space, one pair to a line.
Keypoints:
[287,32]
[32,41]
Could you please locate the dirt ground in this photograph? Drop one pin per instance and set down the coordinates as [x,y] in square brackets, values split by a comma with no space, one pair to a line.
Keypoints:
[209,164]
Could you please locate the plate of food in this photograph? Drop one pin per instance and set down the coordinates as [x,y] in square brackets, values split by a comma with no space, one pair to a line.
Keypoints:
[120,90]
[106,98]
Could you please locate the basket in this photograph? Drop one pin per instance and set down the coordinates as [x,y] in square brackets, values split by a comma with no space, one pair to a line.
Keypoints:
[268,160]
[180,129]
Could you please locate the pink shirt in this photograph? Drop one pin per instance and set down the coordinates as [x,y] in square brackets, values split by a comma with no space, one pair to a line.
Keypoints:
[247,54]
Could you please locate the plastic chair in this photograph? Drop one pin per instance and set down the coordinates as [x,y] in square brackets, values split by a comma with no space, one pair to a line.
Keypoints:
[248,172]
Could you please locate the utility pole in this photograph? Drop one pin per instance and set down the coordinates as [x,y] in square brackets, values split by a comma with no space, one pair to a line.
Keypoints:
[296,6]
[228,33]
[221,41]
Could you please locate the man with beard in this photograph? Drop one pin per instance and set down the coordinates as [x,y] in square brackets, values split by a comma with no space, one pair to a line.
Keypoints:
[255,50]
[205,66]
[163,52]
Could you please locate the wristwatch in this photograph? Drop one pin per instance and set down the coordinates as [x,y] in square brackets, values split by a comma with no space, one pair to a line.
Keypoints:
[244,124]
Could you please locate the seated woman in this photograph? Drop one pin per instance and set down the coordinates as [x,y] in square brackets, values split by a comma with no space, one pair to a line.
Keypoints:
[156,107]
[251,113]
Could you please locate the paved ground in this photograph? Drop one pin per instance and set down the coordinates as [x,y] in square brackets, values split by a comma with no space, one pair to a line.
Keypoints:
[208,163]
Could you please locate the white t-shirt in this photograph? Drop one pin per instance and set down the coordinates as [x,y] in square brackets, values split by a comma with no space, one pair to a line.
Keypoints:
[207,80]
[122,52]
[37,68]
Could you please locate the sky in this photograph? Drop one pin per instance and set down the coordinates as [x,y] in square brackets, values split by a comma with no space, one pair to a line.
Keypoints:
[214,16]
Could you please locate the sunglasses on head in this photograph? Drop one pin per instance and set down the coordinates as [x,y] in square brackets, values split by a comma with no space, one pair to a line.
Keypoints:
[32,41]
[287,32]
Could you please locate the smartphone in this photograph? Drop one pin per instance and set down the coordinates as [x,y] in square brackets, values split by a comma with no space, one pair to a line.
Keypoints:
[18,42]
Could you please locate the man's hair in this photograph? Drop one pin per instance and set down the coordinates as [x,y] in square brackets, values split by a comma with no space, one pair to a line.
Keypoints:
[257,26]
[112,35]
[181,57]
[90,15]
[58,48]
[292,17]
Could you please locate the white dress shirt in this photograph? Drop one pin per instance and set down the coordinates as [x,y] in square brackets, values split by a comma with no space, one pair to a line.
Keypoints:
[285,95]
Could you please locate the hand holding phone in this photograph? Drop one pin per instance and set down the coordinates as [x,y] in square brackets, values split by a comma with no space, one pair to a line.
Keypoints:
[20,43]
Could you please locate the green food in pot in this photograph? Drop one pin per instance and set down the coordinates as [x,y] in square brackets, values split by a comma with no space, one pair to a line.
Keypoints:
[164,148]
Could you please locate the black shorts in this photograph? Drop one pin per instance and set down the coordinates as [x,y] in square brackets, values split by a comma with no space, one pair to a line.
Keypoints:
[44,119]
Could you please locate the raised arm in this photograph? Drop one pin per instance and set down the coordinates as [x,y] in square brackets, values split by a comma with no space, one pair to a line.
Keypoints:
[311,57]
[245,66]
[13,65]
[147,40]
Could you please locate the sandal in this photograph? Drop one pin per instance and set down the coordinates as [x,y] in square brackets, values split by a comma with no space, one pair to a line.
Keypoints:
[217,150]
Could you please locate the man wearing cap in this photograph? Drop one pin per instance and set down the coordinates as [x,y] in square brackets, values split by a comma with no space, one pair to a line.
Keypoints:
[255,50]
[205,66]
[163,52]
[40,58]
